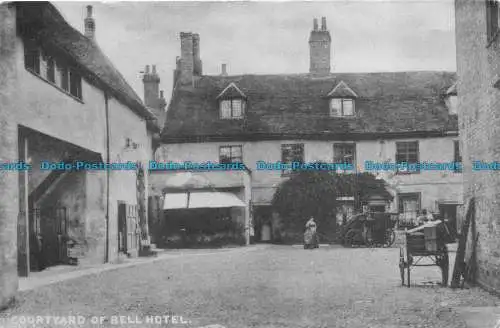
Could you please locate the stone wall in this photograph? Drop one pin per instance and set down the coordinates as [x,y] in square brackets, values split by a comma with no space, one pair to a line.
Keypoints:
[9,197]
[479,119]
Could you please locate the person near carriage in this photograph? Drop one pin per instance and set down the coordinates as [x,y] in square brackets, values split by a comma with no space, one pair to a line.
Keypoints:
[311,236]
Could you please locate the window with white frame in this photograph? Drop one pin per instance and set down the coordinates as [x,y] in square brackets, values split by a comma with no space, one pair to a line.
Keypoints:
[345,153]
[341,107]
[407,152]
[409,206]
[230,154]
[233,108]
[291,153]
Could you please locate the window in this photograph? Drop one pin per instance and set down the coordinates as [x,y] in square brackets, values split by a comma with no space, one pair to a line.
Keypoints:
[51,68]
[230,154]
[409,206]
[232,108]
[341,107]
[491,19]
[75,84]
[292,153]
[345,153]
[64,77]
[407,152]
[457,156]
[43,64]
[32,56]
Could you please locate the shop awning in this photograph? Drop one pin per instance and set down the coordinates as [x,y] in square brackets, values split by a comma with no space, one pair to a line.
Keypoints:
[175,201]
[201,200]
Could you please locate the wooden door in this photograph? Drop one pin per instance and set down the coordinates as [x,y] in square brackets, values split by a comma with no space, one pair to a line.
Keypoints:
[49,239]
[61,226]
[129,232]
[36,255]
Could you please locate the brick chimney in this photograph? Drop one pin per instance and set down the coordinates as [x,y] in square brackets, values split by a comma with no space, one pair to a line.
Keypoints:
[223,70]
[89,23]
[186,62]
[151,82]
[153,97]
[320,48]
[198,68]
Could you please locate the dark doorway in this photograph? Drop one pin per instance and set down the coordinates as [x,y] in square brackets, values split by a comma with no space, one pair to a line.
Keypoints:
[377,208]
[48,236]
[449,213]
[263,227]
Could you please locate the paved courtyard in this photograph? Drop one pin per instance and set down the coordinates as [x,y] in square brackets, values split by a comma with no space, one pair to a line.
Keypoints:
[272,286]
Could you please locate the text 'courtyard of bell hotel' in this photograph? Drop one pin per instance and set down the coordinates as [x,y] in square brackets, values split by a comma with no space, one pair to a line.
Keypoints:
[99,173]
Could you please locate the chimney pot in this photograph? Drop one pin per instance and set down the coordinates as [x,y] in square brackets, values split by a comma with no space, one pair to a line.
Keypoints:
[224,70]
[315,24]
[147,69]
[154,69]
[89,24]
[323,23]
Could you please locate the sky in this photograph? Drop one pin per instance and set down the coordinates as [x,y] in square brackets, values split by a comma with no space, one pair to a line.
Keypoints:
[271,37]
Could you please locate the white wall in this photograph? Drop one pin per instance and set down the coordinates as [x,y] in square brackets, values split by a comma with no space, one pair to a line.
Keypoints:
[434,185]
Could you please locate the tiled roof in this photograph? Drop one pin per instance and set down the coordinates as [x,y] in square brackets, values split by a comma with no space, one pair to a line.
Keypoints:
[297,106]
[44,20]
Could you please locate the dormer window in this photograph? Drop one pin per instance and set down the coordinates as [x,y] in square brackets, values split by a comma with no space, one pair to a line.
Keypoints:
[342,101]
[233,108]
[340,107]
[232,103]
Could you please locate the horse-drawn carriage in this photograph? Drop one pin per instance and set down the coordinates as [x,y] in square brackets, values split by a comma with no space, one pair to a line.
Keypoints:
[374,229]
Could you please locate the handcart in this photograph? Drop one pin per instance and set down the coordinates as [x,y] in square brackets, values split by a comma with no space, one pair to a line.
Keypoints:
[426,242]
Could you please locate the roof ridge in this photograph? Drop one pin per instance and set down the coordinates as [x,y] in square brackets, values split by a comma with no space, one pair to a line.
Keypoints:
[333,74]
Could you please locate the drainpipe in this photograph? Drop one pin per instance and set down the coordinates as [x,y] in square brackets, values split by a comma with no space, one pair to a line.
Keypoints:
[106,107]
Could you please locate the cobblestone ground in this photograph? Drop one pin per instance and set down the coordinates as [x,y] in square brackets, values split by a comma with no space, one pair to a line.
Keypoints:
[280,286]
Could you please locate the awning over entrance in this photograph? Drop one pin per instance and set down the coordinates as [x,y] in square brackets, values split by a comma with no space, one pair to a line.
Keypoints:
[201,200]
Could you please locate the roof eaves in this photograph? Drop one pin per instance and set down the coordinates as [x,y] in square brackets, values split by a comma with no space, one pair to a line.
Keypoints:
[122,96]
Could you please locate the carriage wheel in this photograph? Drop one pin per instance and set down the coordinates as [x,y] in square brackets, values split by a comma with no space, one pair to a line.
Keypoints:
[349,238]
[402,266]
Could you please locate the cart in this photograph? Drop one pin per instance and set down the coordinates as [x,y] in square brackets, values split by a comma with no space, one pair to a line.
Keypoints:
[379,230]
[374,229]
[426,242]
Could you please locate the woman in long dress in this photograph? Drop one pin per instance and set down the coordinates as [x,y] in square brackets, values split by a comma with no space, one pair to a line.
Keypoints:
[311,236]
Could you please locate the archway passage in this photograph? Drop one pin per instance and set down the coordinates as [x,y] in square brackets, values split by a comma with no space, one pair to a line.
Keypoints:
[55,198]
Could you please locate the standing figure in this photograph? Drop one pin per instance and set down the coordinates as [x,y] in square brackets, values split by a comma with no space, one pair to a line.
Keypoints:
[310,236]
